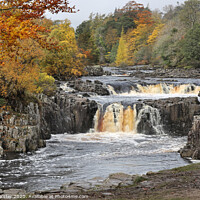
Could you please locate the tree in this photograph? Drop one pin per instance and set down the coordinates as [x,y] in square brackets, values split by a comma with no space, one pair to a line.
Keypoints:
[154,35]
[18,26]
[190,47]
[66,60]
[122,52]
[190,14]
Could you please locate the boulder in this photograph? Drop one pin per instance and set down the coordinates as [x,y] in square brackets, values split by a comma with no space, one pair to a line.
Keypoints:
[67,113]
[95,70]
[89,86]
[192,148]
[176,114]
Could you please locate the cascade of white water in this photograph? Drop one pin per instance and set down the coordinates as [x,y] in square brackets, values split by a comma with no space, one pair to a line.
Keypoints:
[116,118]
[154,118]
[161,88]
[111,90]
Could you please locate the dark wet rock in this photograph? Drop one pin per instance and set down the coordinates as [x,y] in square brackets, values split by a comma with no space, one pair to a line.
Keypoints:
[20,132]
[67,113]
[96,70]
[192,148]
[176,114]
[27,130]
[88,86]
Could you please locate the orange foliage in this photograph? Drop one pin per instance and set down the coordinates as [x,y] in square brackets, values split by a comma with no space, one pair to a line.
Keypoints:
[18,69]
[145,17]
[143,35]
[132,9]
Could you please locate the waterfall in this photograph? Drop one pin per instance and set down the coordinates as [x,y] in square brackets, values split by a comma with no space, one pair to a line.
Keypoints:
[111,90]
[116,118]
[161,88]
[135,117]
[149,120]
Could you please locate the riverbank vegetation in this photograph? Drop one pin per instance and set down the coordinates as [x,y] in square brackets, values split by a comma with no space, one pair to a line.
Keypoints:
[35,51]
[31,46]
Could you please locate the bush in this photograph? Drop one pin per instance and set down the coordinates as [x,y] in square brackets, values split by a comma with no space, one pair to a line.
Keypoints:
[2,102]
[46,84]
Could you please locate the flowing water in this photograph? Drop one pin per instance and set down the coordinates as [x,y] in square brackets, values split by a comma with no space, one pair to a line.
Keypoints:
[113,145]
[85,156]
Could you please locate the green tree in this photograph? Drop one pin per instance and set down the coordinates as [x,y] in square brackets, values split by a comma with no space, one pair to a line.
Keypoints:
[122,52]
[190,14]
[190,47]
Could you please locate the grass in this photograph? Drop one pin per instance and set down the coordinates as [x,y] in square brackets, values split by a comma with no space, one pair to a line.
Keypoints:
[139,179]
[187,168]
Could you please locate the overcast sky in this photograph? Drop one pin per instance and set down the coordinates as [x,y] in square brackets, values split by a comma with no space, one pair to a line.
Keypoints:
[104,7]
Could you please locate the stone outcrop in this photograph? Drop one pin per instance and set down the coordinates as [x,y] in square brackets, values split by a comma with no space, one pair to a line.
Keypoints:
[95,70]
[161,72]
[67,113]
[28,129]
[20,132]
[97,184]
[192,148]
[176,114]
[96,87]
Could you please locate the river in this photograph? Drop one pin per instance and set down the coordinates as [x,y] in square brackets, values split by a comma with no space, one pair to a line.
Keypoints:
[117,147]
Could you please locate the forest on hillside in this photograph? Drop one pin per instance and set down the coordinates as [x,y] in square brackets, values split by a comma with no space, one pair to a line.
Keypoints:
[35,51]
[136,35]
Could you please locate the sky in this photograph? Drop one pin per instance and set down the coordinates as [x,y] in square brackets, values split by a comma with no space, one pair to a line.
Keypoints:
[104,7]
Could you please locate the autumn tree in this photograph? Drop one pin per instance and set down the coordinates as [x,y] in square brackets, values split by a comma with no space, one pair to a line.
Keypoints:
[18,27]
[122,52]
[64,61]
[137,38]
[86,42]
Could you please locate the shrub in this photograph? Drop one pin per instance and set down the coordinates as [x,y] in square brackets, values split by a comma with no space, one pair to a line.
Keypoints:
[46,84]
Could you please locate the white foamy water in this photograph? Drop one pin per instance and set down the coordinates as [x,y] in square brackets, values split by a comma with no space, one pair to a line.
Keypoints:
[84,156]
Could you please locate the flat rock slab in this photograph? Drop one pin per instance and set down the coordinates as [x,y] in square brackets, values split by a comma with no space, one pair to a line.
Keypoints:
[13,192]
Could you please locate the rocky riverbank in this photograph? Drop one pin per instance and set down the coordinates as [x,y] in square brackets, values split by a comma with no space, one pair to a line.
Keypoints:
[160,72]
[192,148]
[26,128]
[176,114]
[179,183]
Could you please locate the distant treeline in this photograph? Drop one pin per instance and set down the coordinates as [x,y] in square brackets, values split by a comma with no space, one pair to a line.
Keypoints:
[136,35]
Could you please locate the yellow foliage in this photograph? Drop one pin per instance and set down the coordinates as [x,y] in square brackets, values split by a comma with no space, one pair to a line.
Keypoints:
[137,38]
[45,84]
[65,61]
[19,69]
[152,38]
[122,52]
